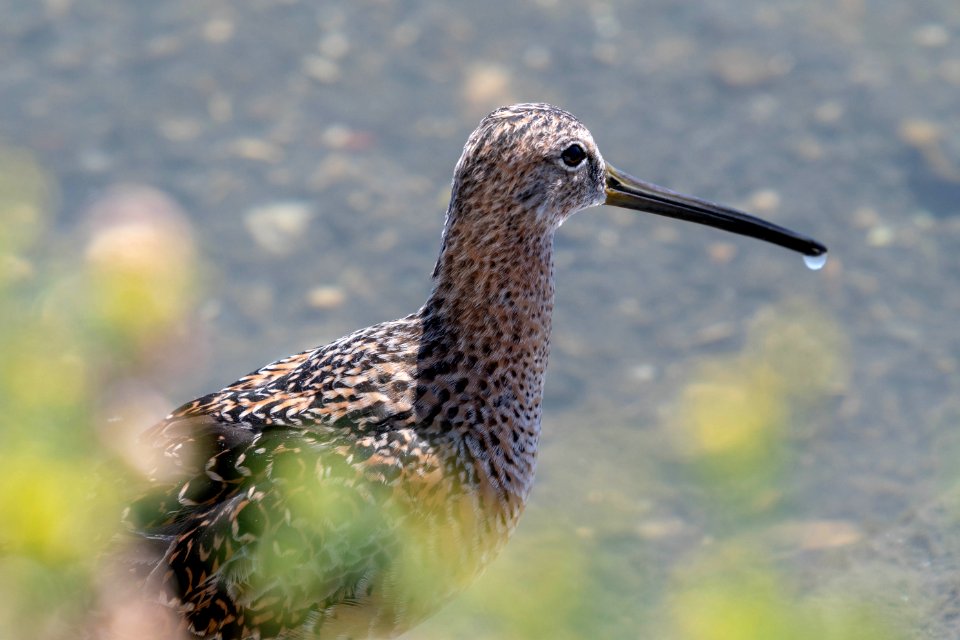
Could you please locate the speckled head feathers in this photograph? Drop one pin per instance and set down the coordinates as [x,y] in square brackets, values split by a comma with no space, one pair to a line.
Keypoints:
[534,158]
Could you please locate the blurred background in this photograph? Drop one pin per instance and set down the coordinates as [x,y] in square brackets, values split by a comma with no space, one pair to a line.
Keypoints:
[734,447]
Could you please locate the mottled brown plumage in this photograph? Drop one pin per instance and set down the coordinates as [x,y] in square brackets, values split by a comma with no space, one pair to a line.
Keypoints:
[350,490]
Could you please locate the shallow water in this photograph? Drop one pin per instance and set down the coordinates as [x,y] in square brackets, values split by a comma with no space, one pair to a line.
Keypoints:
[708,397]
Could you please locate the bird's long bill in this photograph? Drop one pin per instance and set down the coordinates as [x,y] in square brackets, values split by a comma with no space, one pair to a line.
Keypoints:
[624,190]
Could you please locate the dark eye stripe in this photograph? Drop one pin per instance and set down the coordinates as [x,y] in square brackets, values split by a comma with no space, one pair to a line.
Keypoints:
[573,155]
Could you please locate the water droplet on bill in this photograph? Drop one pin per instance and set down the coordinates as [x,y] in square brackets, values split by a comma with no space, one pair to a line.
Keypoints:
[815,263]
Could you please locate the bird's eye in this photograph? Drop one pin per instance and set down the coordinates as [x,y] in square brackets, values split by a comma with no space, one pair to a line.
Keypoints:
[573,155]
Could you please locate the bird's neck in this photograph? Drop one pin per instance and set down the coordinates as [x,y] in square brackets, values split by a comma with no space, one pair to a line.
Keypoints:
[486,341]
[496,281]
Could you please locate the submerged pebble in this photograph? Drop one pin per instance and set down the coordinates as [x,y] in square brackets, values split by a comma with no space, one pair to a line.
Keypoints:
[279,226]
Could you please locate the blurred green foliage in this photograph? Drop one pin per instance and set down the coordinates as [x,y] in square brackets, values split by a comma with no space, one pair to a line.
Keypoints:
[67,318]
[25,199]
[539,588]
[732,593]
[735,415]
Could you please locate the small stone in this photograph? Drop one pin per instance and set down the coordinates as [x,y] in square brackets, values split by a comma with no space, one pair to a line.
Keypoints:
[670,51]
[334,45]
[739,67]
[210,310]
[630,307]
[278,227]
[880,236]
[256,149]
[605,22]
[180,129]
[164,46]
[819,534]
[606,53]
[924,221]
[218,30]
[764,107]
[608,238]
[713,334]
[387,240]
[435,127]
[918,133]
[808,149]
[220,108]
[866,217]
[360,201]
[336,136]
[721,252]
[926,137]
[57,9]
[945,365]
[485,85]
[931,35]
[333,169]
[764,201]
[829,112]
[405,34]
[326,297]
[644,372]
[950,71]
[585,533]
[321,69]
[94,160]
[536,58]
[258,300]
[769,17]
[280,176]
[15,269]
[661,529]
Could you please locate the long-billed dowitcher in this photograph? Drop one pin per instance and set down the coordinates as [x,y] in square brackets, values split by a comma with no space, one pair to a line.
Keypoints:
[350,490]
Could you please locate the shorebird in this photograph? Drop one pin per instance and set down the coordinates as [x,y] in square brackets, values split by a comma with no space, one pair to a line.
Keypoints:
[348,491]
